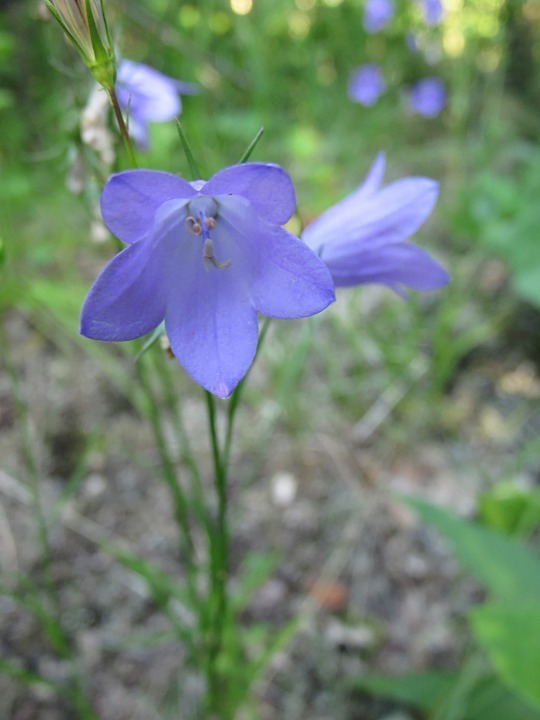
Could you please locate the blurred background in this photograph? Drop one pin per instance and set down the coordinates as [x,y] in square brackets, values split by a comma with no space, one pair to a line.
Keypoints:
[436,397]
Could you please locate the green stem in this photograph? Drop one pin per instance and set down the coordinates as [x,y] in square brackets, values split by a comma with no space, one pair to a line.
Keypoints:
[219,570]
[187,459]
[235,399]
[169,475]
[122,127]
[219,543]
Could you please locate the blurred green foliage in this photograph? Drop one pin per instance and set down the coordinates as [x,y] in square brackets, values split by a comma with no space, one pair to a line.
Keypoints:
[503,213]
[506,628]
[510,508]
[284,65]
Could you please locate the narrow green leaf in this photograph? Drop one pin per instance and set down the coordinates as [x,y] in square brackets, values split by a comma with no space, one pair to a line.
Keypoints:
[28,597]
[151,340]
[256,569]
[162,588]
[275,641]
[194,170]
[75,480]
[251,147]
[160,584]
[29,678]
[279,640]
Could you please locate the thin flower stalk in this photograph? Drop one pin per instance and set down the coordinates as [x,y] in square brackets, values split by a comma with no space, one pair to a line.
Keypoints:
[180,504]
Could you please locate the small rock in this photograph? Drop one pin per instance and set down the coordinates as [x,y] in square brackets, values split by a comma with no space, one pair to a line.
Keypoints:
[350,637]
[271,595]
[94,485]
[284,487]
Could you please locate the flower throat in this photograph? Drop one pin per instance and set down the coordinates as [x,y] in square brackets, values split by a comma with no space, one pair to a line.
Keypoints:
[202,220]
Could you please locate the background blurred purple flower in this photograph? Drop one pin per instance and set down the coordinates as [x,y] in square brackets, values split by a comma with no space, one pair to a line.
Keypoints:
[432,11]
[205,257]
[377,14]
[366,84]
[412,42]
[362,238]
[428,97]
[147,95]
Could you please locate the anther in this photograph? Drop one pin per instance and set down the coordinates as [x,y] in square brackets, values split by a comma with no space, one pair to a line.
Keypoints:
[193,225]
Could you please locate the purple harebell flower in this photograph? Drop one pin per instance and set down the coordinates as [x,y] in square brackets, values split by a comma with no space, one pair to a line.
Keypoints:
[428,97]
[147,95]
[432,10]
[377,14]
[362,238]
[366,84]
[205,257]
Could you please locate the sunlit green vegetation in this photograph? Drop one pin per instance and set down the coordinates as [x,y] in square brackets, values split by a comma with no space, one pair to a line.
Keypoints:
[374,377]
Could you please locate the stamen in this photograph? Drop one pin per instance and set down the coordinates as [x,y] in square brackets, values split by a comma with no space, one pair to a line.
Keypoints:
[193,225]
[201,223]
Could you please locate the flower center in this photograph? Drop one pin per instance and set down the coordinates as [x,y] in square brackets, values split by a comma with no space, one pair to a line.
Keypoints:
[201,220]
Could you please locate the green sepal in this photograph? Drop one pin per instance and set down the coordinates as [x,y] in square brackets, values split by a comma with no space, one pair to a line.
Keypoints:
[103,67]
[88,61]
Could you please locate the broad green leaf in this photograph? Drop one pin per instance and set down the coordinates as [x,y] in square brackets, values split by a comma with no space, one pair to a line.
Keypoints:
[510,634]
[508,569]
[491,700]
[509,508]
[436,692]
[423,690]
[527,283]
